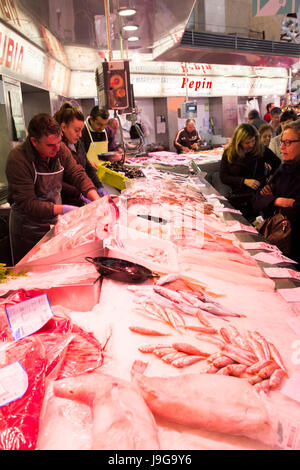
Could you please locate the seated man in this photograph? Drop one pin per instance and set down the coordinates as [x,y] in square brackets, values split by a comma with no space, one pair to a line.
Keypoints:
[188,138]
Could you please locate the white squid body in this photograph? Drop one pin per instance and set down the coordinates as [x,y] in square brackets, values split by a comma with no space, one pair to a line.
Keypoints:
[211,402]
[121,418]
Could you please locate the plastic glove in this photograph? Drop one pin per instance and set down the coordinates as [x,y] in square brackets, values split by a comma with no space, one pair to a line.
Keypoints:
[84,199]
[102,192]
[66,208]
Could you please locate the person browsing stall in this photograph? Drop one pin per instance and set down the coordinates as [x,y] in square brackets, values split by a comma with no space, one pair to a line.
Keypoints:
[97,136]
[35,171]
[266,134]
[285,118]
[71,121]
[275,120]
[283,190]
[245,166]
[188,138]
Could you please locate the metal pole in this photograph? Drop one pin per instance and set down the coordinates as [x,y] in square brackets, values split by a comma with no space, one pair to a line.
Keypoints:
[120,31]
[106,6]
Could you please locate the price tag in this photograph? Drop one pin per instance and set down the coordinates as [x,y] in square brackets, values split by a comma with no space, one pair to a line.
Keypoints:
[259,246]
[238,227]
[215,196]
[227,209]
[27,317]
[13,383]
[290,295]
[282,273]
[275,257]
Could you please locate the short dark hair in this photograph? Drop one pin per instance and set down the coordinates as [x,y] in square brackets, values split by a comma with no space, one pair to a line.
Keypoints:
[275,110]
[288,115]
[67,113]
[43,125]
[189,120]
[99,112]
[253,114]
[269,106]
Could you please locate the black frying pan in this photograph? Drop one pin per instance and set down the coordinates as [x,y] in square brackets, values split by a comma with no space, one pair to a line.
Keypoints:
[121,270]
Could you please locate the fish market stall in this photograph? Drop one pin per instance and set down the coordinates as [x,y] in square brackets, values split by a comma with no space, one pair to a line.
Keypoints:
[187,343]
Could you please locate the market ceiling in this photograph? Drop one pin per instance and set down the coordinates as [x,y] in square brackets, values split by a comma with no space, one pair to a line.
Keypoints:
[163,30]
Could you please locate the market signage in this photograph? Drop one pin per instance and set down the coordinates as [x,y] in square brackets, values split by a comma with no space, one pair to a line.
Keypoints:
[158,86]
[274,7]
[13,14]
[25,62]
[18,58]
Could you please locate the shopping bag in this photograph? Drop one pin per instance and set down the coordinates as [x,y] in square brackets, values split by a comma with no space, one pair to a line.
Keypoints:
[277,231]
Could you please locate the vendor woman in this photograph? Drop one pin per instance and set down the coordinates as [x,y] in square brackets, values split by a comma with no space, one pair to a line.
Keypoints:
[71,121]
[35,171]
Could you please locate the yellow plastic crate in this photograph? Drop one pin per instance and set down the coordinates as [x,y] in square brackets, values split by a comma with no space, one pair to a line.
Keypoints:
[113,178]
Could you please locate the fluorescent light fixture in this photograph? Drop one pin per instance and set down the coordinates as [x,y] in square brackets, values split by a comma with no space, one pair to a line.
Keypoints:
[133,38]
[127,11]
[130,27]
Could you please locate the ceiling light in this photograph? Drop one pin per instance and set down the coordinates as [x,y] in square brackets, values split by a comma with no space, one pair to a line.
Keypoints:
[133,38]
[127,11]
[130,27]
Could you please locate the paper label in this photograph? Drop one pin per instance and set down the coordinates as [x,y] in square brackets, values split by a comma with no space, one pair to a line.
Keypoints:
[27,317]
[273,258]
[13,383]
[290,295]
[259,246]
[282,273]
[215,196]
[238,227]
[227,209]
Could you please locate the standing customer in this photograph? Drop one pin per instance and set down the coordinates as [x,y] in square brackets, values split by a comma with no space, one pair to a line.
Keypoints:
[283,190]
[275,120]
[71,121]
[255,119]
[266,134]
[267,116]
[35,171]
[244,167]
[285,118]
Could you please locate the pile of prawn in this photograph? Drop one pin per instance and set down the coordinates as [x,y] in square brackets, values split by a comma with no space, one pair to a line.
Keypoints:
[247,355]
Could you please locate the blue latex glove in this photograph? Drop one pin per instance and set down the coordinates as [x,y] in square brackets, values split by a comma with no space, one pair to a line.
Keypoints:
[102,192]
[84,199]
[66,208]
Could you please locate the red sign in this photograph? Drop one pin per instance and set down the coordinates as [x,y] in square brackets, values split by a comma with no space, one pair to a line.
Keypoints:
[11,54]
[9,11]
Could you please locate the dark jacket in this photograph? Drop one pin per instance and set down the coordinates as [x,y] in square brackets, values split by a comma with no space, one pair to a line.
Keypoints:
[98,137]
[233,175]
[186,139]
[249,167]
[70,194]
[21,178]
[284,183]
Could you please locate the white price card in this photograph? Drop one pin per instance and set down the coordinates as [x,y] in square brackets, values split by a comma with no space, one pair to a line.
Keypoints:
[282,273]
[275,257]
[290,295]
[13,383]
[259,246]
[227,209]
[27,317]
[238,227]
[215,196]
[292,387]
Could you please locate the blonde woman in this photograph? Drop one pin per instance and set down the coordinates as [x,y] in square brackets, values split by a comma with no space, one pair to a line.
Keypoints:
[245,165]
